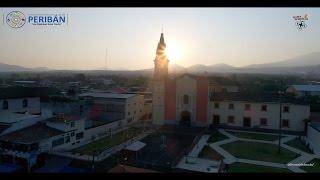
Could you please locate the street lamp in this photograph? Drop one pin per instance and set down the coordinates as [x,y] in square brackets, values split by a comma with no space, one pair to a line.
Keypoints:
[280,118]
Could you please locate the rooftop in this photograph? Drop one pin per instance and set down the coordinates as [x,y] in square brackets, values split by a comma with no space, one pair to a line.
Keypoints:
[307,87]
[22,92]
[31,134]
[108,95]
[262,97]
[64,118]
[136,146]
[11,117]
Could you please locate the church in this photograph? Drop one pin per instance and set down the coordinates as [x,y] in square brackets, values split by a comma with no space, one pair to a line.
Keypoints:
[177,100]
[201,100]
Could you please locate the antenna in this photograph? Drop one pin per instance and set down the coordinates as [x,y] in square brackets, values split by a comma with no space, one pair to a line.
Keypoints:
[106,58]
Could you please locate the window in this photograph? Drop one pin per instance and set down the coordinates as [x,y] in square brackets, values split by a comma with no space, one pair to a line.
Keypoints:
[247,107]
[79,135]
[72,124]
[57,142]
[285,123]
[25,103]
[185,99]
[129,120]
[216,105]
[231,119]
[231,106]
[263,121]
[72,134]
[67,139]
[5,105]
[216,119]
[264,108]
[286,109]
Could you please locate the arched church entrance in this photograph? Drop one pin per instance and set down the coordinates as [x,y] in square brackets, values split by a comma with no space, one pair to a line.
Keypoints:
[185,118]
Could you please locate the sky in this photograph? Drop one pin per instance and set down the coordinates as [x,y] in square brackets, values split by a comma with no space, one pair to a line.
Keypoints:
[129,37]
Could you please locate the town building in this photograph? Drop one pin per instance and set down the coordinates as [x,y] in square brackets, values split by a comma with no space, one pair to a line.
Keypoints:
[57,133]
[258,111]
[304,90]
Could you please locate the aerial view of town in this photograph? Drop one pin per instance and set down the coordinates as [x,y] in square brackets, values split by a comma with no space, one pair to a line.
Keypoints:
[160,90]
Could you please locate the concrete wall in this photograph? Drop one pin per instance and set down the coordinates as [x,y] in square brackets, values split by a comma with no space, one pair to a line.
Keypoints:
[297,114]
[313,139]
[134,109]
[15,105]
[158,96]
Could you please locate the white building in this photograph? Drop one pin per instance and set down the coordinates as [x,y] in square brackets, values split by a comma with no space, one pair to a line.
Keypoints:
[54,134]
[128,107]
[21,105]
[304,90]
[235,109]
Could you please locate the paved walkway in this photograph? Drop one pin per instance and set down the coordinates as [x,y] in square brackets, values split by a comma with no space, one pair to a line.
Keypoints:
[199,165]
[197,149]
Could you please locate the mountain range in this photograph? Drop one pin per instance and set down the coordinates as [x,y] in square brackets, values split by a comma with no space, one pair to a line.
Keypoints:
[303,64]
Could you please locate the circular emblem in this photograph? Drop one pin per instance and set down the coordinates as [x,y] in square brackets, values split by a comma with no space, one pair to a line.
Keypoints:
[16,19]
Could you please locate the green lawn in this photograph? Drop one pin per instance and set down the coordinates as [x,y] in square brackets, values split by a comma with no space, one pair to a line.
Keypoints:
[216,136]
[108,142]
[297,143]
[259,151]
[313,169]
[257,136]
[251,168]
[208,153]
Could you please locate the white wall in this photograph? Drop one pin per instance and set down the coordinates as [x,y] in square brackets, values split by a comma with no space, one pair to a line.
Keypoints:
[15,105]
[297,114]
[135,105]
[313,139]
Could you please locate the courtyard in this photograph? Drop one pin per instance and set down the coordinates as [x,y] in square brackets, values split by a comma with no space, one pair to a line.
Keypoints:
[166,147]
[98,146]
[244,151]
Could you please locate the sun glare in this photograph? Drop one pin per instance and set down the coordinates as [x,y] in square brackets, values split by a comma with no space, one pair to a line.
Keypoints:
[173,52]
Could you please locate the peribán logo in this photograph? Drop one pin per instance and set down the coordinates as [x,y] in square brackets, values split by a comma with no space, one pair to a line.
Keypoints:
[17,19]
[47,19]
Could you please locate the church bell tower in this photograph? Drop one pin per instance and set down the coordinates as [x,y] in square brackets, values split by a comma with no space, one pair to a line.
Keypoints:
[158,84]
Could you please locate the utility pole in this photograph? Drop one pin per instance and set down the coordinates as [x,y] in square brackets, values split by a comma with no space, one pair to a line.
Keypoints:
[280,118]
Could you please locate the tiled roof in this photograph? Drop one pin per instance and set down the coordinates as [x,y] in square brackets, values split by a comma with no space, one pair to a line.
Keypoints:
[246,97]
[31,134]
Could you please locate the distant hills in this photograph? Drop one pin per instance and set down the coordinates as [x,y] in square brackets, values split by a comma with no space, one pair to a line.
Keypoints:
[15,68]
[303,64]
